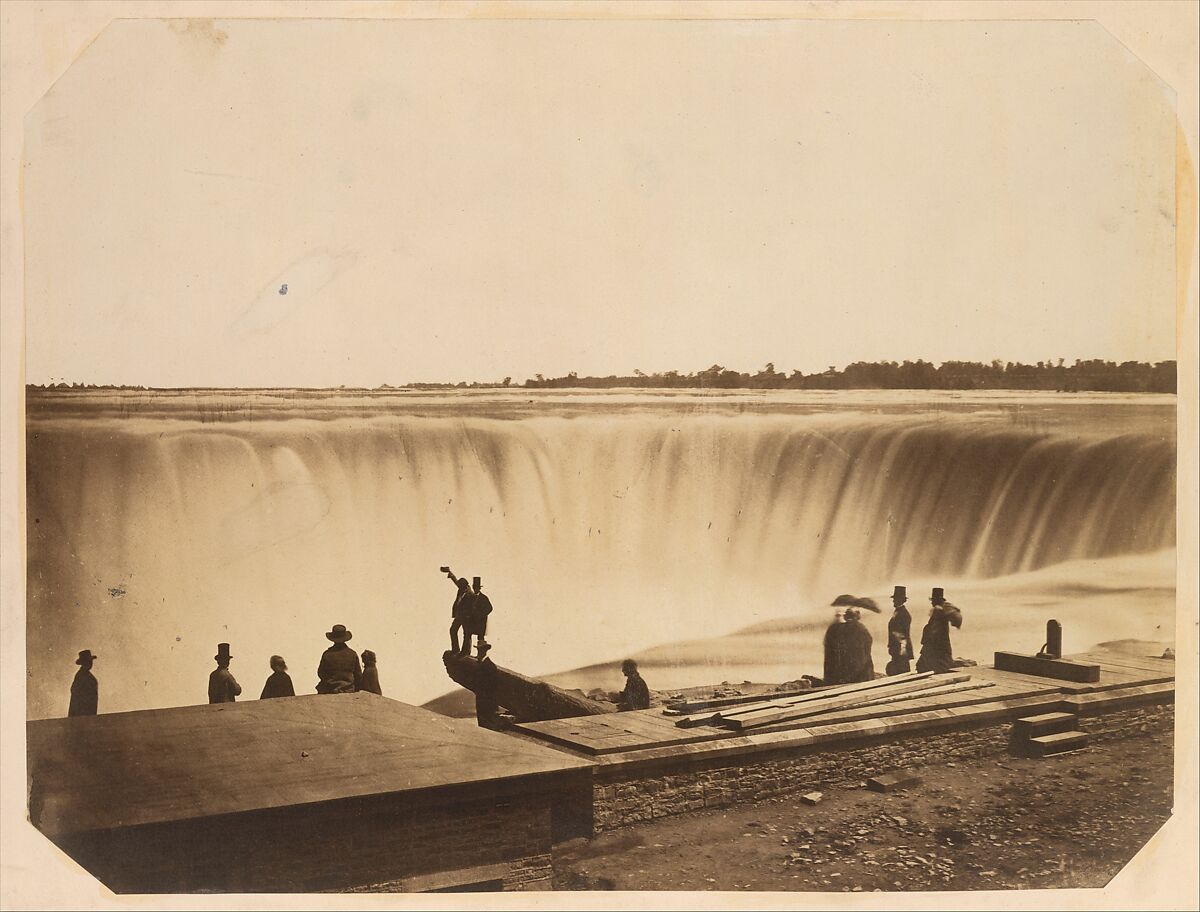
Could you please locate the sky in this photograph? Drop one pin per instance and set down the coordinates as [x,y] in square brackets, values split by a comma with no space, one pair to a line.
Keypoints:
[318,203]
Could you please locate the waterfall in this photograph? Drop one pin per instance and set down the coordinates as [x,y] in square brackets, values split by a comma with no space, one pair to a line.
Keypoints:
[155,533]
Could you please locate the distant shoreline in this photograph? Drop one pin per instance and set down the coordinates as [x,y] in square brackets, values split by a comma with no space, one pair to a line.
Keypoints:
[1093,376]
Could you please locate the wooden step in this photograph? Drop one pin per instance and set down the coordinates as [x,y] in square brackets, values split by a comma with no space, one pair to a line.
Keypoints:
[1045,724]
[1058,743]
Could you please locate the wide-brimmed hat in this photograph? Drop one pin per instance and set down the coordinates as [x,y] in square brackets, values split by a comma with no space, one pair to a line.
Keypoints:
[339,634]
[85,654]
[938,595]
[900,592]
[222,652]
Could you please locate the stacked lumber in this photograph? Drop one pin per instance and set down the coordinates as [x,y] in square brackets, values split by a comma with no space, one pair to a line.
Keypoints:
[912,685]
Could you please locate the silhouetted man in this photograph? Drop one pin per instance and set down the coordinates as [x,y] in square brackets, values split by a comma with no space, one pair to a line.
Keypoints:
[936,654]
[370,673]
[476,620]
[222,687]
[859,664]
[463,599]
[85,690]
[636,694]
[339,670]
[279,684]
[900,646]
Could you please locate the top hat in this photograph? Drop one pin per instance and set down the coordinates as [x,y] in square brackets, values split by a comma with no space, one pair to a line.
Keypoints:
[85,654]
[900,592]
[222,652]
[339,634]
[475,581]
[938,596]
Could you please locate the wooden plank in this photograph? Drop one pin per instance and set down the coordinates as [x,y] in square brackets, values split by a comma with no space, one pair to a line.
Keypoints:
[687,708]
[742,723]
[1059,669]
[806,697]
[916,705]
[941,690]
[883,687]
[1105,661]
[1147,663]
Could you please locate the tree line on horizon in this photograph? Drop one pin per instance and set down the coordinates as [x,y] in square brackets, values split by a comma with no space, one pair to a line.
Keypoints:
[1093,375]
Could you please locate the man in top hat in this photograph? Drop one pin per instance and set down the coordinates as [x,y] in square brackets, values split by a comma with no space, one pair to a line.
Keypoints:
[222,687]
[279,684]
[339,670]
[857,648]
[85,691]
[476,618]
[370,675]
[900,634]
[936,654]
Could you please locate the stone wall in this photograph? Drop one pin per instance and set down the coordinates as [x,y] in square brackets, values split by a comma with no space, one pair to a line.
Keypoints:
[689,783]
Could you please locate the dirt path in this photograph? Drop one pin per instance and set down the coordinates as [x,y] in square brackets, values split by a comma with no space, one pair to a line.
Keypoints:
[1005,822]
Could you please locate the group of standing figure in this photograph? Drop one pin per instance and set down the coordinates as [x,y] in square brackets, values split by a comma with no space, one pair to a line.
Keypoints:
[848,641]
[339,672]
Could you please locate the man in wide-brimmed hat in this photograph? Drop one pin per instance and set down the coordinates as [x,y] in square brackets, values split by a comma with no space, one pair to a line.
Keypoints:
[85,691]
[936,654]
[222,687]
[900,647]
[339,670]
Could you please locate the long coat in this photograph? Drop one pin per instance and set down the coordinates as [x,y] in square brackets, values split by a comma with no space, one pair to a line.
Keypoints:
[85,694]
[836,643]
[476,617]
[279,684]
[636,694]
[936,654]
[900,647]
[859,665]
[370,679]
[339,670]
[223,687]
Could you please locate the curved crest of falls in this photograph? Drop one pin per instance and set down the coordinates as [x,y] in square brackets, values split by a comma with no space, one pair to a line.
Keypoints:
[160,524]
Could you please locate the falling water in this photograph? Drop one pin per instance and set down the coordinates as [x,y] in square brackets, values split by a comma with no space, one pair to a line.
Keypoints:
[159,525]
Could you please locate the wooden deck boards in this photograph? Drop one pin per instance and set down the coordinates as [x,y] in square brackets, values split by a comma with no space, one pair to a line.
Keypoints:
[647,732]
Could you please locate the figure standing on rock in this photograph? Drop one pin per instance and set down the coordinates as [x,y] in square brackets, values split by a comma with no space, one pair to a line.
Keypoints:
[459,611]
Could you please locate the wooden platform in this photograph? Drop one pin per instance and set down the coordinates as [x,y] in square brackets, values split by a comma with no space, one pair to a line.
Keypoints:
[650,732]
[120,770]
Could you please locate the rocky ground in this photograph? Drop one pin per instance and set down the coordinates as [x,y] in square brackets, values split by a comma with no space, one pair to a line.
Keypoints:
[996,823]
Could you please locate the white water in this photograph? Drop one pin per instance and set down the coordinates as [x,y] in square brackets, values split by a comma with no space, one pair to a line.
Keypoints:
[602,524]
